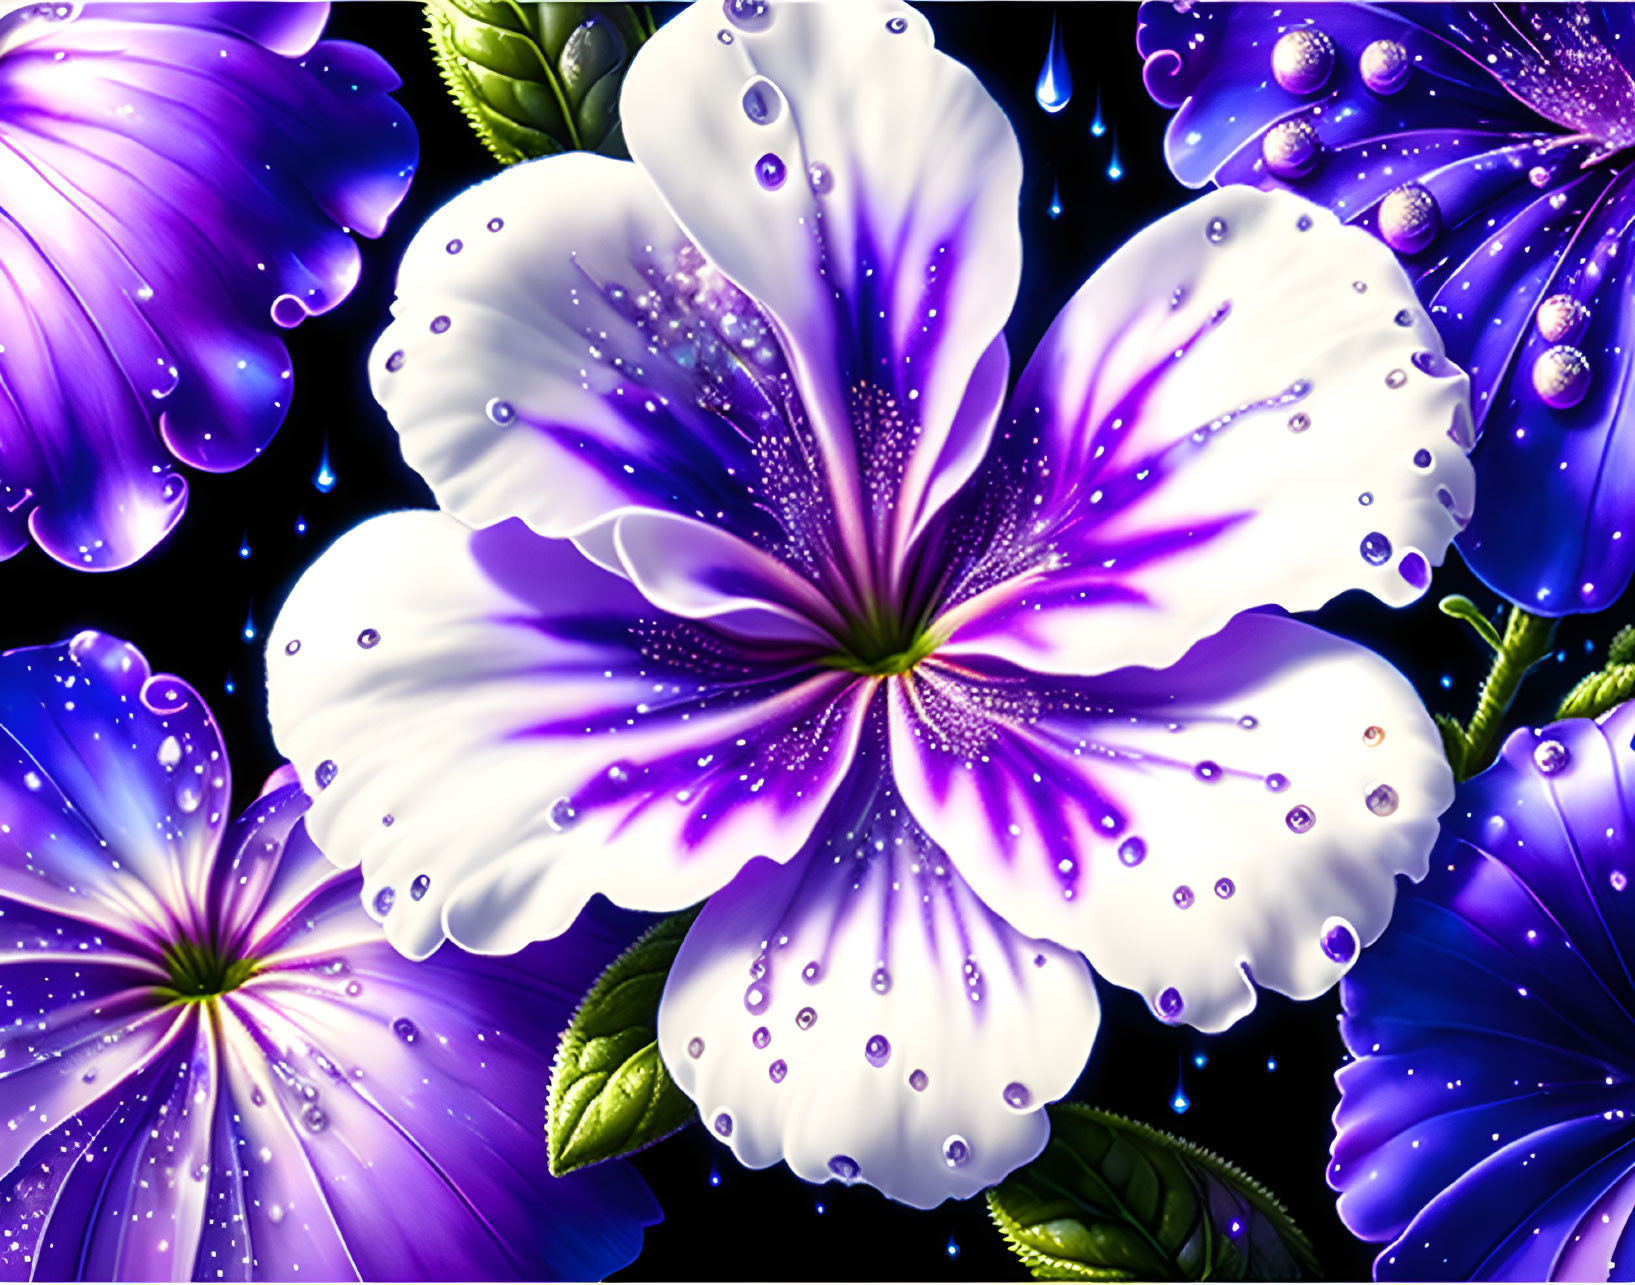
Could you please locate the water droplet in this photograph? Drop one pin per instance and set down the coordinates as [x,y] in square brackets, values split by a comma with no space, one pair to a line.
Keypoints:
[1016,1095]
[388,819]
[1415,570]
[756,998]
[1422,458]
[1182,896]
[723,1124]
[1300,818]
[292,646]
[1224,888]
[761,1038]
[1396,379]
[777,1071]
[881,981]
[562,814]
[1215,231]
[368,638]
[1619,880]
[170,752]
[877,1050]
[1339,942]
[417,889]
[1561,377]
[1133,851]
[955,1151]
[405,1030]
[455,246]
[1376,549]
[1248,722]
[805,1018]
[1409,218]
[917,1080]
[844,1168]
[354,988]
[494,225]
[1303,60]
[818,175]
[1561,319]
[1299,422]
[1277,783]
[324,774]
[724,36]
[812,972]
[762,102]
[394,363]
[1303,223]
[312,1115]
[896,25]
[1208,770]
[1290,149]
[1550,756]
[1382,800]
[695,1047]
[384,900]
[1054,209]
[770,172]
[501,412]
[1385,66]
[1373,735]
[1055,84]
[440,325]
[1365,499]
[90,1076]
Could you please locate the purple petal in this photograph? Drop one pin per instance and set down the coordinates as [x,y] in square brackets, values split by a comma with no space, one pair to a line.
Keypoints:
[173,189]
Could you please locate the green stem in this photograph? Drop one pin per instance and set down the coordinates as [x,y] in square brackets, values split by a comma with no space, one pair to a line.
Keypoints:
[1527,640]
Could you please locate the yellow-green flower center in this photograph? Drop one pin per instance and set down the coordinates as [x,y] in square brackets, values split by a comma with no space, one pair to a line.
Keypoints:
[199,972]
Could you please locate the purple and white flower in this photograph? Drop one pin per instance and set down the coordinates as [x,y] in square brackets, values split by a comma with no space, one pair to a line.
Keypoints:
[179,181]
[1487,1128]
[750,584]
[1490,146]
[213,1066]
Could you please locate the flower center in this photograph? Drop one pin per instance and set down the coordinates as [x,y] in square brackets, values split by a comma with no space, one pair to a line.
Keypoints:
[199,971]
[882,644]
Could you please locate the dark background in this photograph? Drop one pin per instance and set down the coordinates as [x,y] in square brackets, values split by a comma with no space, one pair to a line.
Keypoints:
[1264,1097]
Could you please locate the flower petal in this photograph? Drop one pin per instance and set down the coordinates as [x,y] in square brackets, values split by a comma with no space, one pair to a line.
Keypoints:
[892,1031]
[495,719]
[1247,808]
[173,189]
[888,258]
[1244,406]
[113,787]
[1492,1028]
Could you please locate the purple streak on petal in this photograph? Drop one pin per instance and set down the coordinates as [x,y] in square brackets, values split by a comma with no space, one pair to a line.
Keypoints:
[148,231]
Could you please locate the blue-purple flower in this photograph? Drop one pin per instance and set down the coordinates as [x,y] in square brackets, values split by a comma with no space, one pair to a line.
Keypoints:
[178,181]
[1487,1127]
[213,1066]
[751,584]
[1489,146]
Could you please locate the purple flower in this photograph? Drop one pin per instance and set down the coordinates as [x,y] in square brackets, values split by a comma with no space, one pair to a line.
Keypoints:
[1487,1127]
[746,587]
[178,181]
[212,1065]
[1489,147]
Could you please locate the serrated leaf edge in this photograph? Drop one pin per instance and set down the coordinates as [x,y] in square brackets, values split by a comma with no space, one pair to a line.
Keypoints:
[675,926]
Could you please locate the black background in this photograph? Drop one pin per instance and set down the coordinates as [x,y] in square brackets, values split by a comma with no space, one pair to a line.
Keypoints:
[187,604]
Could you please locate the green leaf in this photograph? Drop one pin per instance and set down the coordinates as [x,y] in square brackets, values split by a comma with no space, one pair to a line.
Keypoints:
[610,1094]
[1113,1200]
[1621,650]
[1598,693]
[1462,608]
[537,79]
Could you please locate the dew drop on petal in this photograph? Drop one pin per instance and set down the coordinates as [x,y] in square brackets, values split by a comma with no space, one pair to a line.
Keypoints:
[369,638]
[1409,218]
[1550,757]
[1300,818]
[897,25]
[1208,770]
[405,1030]
[1182,896]
[1339,942]
[1170,1004]
[777,1071]
[500,411]
[805,1018]
[1375,548]
[1396,379]
[417,889]
[394,363]
[761,102]
[1017,1095]
[455,246]
[756,998]
[562,814]
[1224,888]
[1619,880]
[324,774]
[440,325]
[1277,783]
[1215,231]
[1385,66]
[770,172]
[1382,800]
[1303,60]
[1415,570]
[844,1168]
[292,646]
[1561,377]
[1133,851]
[761,1038]
[881,981]
[723,1124]
[1422,458]
[1561,319]
[878,1050]
[1290,148]
[917,1080]
[384,900]
[955,1151]
[1299,422]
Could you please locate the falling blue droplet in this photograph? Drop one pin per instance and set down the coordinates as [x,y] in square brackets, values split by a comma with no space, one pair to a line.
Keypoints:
[244,546]
[249,625]
[1589,646]
[1115,170]
[230,685]
[1560,656]
[1271,1064]
[1180,1102]
[1200,1060]
[1098,126]
[1055,85]
[715,1176]
[300,526]
[820,1206]
[953,1248]
[1447,681]
[324,478]
[1055,210]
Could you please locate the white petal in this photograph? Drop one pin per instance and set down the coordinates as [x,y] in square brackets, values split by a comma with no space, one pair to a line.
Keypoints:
[1246,405]
[1233,812]
[498,729]
[889,254]
[860,1014]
